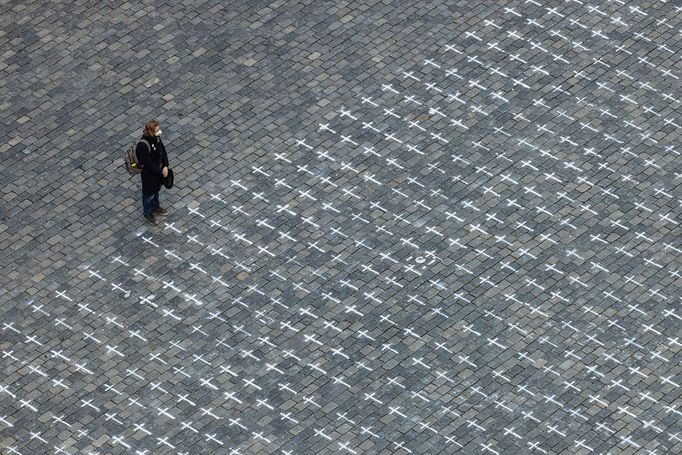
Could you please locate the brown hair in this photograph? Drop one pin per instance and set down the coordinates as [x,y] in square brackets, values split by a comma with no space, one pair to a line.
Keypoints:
[150,128]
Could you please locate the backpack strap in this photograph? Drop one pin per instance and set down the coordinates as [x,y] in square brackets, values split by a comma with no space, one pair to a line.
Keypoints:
[149,148]
[144,141]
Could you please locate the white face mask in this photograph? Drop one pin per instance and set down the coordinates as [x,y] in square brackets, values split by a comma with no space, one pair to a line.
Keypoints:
[159,133]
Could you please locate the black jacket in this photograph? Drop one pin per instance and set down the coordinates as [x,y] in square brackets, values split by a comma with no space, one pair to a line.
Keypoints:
[152,162]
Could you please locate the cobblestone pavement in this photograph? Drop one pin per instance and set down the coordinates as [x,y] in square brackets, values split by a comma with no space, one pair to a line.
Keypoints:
[397,228]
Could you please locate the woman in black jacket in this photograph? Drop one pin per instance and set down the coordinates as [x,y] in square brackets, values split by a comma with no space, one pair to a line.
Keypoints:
[154,161]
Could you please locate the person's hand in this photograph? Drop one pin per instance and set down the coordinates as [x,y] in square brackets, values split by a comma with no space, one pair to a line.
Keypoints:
[164,172]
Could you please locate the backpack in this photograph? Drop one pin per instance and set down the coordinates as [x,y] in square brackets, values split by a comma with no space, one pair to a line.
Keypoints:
[130,159]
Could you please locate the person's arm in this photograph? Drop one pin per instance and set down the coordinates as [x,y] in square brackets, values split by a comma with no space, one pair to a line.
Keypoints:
[164,155]
[144,156]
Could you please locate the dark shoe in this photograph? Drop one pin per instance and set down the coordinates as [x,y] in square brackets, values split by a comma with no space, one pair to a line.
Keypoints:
[150,218]
[160,211]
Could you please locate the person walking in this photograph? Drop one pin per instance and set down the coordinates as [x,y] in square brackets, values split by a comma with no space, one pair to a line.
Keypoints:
[151,154]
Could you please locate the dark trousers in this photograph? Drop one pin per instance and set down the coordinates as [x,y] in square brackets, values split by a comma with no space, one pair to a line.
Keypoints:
[150,203]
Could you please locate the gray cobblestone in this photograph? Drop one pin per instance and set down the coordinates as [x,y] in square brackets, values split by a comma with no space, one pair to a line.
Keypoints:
[396,228]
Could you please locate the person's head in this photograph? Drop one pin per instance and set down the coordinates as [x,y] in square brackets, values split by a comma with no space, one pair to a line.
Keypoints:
[152,128]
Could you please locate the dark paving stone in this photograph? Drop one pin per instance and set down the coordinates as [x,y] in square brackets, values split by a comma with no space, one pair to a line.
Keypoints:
[396,227]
